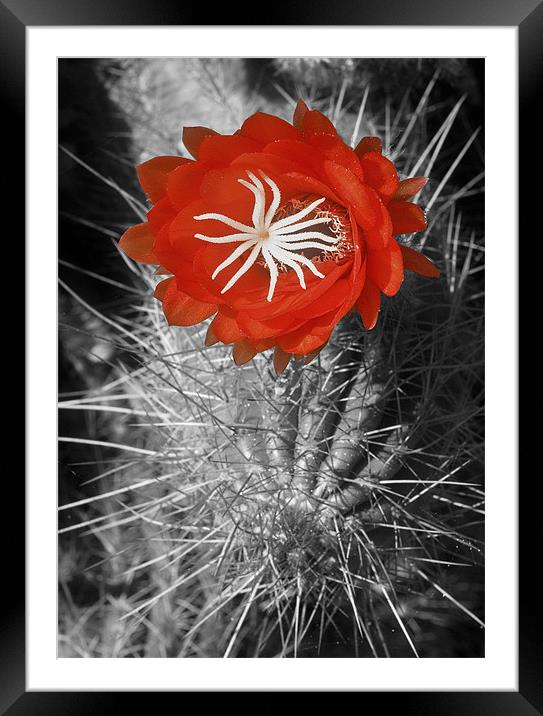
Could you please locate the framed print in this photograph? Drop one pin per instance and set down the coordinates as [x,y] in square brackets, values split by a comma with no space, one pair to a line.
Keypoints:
[271,355]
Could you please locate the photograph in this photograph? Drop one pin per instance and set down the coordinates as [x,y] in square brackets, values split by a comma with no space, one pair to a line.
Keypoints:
[271,359]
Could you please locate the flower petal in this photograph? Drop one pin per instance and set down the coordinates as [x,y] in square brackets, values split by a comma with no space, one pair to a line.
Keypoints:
[415,261]
[182,310]
[409,187]
[333,148]
[362,198]
[380,173]
[220,188]
[224,149]
[299,112]
[268,163]
[183,184]
[302,342]
[226,329]
[153,175]
[378,237]
[309,337]
[193,138]
[406,217]
[210,338]
[368,304]
[162,287]
[294,183]
[243,352]
[181,233]
[385,268]
[299,152]
[257,330]
[159,215]
[137,242]
[281,359]
[288,296]
[265,128]
[329,301]
[314,122]
[368,144]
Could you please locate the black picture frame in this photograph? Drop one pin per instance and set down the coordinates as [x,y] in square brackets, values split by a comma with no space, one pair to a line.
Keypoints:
[527,15]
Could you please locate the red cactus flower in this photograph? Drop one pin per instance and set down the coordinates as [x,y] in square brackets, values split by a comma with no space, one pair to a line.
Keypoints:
[278,231]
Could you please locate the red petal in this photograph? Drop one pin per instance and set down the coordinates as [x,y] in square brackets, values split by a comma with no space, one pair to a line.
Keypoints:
[243,352]
[299,112]
[379,237]
[295,183]
[182,310]
[153,175]
[368,304]
[224,149]
[385,268]
[281,359]
[210,338]
[183,184]
[262,345]
[137,242]
[310,337]
[409,187]
[195,289]
[380,173]
[301,153]
[314,122]
[258,330]
[368,144]
[159,215]
[180,237]
[406,217]
[329,301]
[357,275]
[364,201]
[414,261]
[302,342]
[220,188]
[289,297]
[334,149]
[193,138]
[265,128]
[162,287]
[269,163]
[226,329]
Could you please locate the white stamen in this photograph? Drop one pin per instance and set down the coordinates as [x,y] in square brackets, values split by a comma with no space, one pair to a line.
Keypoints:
[302,225]
[275,241]
[225,220]
[245,267]
[283,254]
[305,245]
[274,273]
[275,203]
[222,239]
[307,235]
[236,253]
[293,265]
[296,217]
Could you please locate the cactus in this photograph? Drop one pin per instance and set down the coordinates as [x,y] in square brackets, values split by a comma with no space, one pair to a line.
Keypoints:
[335,509]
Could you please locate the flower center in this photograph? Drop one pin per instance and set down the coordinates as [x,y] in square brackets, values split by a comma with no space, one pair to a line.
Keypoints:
[282,238]
[337,227]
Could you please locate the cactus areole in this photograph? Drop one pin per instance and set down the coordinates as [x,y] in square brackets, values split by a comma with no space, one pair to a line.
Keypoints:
[278,231]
